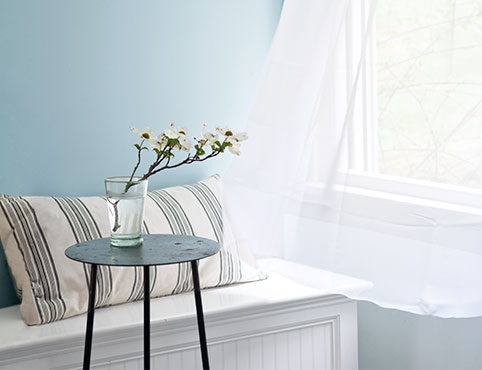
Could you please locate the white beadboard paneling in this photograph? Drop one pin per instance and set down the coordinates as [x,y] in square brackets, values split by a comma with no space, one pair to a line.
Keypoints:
[294,343]
[256,353]
[191,359]
[307,348]
[269,352]
[243,358]
[175,360]
[319,340]
[230,353]
[282,351]
[160,362]
[216,357]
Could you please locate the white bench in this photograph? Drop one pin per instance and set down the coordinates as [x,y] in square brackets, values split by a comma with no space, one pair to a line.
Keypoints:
[272,324]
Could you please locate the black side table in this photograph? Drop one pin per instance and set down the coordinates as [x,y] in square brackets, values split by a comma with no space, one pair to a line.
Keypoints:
[156,250]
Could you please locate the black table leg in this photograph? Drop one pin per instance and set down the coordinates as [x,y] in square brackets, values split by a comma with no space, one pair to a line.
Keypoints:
[90,317]
[147,320]
[200,315]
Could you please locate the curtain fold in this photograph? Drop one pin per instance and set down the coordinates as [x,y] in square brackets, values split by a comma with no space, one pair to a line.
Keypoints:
[270,178]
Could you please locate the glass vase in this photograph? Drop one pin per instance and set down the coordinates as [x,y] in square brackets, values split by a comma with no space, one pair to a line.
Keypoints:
[125,206]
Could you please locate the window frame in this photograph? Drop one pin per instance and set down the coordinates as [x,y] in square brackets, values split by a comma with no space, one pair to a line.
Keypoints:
[362,180]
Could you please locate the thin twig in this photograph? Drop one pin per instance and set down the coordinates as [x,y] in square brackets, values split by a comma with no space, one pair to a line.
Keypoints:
[129,183]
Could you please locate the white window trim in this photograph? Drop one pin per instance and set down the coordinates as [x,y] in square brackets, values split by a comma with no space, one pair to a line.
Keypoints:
[380,197]
[418,191]
[363,133]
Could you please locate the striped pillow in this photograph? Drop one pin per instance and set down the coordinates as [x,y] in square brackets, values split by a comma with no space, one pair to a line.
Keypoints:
[35,231]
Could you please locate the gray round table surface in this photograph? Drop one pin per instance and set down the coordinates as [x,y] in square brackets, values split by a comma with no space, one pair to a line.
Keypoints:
[157,249]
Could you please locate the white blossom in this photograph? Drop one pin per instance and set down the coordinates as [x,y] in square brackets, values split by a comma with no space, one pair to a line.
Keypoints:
[234,148]
[240,136]
[180,129]
[175,132]
[231,136]
[234,142]
[145,134]
[171,134]
[224,131]
[208,135]
[158,143]
[186,145]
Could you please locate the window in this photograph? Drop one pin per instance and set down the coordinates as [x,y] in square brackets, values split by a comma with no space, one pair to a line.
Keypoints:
[429,82]
[417,132]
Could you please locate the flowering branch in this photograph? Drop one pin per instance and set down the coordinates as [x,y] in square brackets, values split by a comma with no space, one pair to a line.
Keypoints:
[174,139]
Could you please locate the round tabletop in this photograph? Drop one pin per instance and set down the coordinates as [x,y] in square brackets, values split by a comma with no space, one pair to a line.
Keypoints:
[156,249]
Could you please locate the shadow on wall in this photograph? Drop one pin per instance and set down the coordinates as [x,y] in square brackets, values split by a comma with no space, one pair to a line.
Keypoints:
[392,339]
[7,291]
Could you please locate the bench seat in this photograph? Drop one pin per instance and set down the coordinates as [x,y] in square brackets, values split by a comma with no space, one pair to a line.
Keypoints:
[277,323]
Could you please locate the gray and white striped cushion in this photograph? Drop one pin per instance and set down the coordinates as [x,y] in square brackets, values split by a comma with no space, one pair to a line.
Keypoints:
[35,231]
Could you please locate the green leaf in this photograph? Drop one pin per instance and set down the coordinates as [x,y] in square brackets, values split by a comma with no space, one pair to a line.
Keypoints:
[137,146]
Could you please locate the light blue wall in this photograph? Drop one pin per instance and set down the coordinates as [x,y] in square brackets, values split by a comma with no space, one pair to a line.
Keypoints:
[74,75]
[396,340]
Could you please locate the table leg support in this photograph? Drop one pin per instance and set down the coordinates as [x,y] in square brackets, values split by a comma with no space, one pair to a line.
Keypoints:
[200,315]
[147,320]
[90,317]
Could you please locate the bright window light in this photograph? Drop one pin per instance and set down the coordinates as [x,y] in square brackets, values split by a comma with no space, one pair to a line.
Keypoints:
[429,70]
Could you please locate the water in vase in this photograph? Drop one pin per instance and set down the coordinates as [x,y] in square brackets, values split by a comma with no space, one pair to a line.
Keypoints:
[126,215]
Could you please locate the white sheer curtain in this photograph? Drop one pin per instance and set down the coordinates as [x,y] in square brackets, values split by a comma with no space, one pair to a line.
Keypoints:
[292,193]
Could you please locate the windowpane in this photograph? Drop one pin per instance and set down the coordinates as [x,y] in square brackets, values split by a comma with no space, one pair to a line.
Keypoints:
[429,70]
